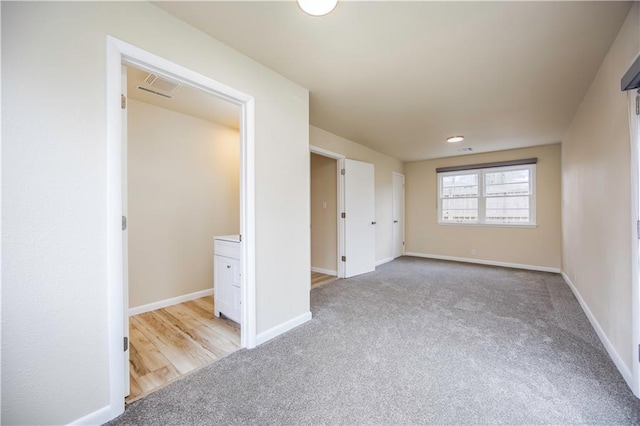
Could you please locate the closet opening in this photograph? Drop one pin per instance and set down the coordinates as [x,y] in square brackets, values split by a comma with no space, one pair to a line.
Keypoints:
[326,207]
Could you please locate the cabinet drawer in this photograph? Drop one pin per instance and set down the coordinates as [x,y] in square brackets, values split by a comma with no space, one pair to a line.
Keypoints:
[227,249]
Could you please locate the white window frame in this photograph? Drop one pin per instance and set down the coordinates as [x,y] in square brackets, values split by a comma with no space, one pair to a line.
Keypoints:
[481,172]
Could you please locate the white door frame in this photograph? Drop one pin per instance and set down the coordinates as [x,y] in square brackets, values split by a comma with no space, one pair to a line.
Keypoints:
[125,232]
[119,52]
[634,129]
[393,200]
[340,202]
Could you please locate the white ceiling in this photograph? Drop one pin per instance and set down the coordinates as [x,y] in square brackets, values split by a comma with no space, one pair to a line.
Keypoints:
[400,77]
[186,100]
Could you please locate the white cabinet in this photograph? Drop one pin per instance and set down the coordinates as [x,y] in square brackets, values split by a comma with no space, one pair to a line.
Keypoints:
[226,277]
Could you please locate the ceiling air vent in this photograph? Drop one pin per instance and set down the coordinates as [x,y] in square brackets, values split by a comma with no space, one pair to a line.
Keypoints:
[160,84]
[146,89]
[466,149]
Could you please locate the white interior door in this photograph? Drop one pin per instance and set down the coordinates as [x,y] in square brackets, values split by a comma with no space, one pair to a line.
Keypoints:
[360,231]
[125,243]
[398,215]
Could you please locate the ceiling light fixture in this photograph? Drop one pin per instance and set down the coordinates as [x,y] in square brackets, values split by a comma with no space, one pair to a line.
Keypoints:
[454,139]
[317,7]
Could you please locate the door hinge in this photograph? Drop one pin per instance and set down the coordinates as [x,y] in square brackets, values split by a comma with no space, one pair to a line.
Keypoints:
[403,243]
[638,229]
[344,258]
[638,353]
[240,237]
[343,172]
[126,343]
[343,215]
[637,105]
[123,102]
[124,223]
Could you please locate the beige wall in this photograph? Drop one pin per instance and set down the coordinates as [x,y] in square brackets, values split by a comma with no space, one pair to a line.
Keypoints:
[183,184]
[596,203]
[384,167]
[540,246]
[55,322]
[324,219]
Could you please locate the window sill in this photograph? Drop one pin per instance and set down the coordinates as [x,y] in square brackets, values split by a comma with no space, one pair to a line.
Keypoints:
[487,225]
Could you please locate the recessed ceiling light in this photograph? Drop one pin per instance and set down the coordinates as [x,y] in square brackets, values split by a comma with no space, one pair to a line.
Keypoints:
[317,7]
[454,139]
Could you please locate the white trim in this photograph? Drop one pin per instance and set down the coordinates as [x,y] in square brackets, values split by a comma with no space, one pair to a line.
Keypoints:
[115,285]
[486,262]
[169,302]
[325,152]
[634,129]
[342,230]
[613,354]
[98,417]
[118,52]
[283,328]
[385,260]
[324,271]
[124,116]
[249,329]
[487,225]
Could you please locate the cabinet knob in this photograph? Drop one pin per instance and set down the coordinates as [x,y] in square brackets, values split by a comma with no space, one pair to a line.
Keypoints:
[228,266]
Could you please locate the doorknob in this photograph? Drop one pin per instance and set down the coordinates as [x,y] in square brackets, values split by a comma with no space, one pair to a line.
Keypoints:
[395,221]
[373,223]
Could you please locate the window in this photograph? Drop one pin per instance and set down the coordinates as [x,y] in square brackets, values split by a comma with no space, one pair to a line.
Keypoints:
[488,196]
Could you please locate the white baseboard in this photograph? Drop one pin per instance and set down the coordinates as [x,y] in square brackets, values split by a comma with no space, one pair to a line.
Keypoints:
[168,302]
[383,261]
[324,271]
[98,417]
[613,354]
[282,328]
[486,262]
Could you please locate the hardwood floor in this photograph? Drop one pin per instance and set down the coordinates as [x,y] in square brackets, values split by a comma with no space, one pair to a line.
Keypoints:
[317,278]
[170,342]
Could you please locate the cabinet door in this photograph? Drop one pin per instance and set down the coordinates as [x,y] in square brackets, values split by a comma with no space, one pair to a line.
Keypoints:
[237,293]
[223,280]
[237,305]
[235,267]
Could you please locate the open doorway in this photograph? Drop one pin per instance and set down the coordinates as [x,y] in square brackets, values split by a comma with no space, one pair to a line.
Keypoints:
[324,219]
[181,190]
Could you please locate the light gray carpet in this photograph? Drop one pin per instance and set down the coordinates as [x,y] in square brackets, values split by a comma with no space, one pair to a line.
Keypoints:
[418,341]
